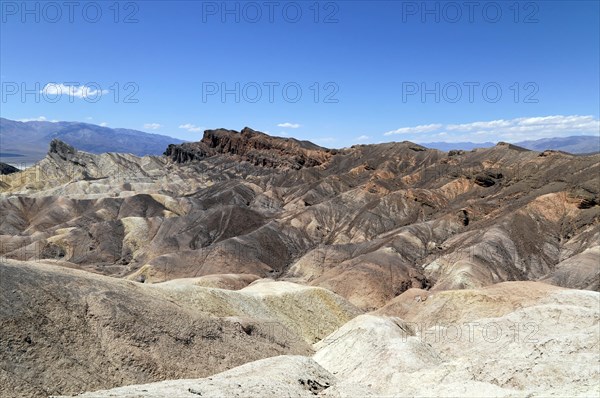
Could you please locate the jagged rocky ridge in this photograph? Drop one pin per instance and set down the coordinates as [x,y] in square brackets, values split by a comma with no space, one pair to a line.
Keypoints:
[251,146]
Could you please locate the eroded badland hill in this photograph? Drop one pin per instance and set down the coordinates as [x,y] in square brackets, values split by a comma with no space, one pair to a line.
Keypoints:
[263,266]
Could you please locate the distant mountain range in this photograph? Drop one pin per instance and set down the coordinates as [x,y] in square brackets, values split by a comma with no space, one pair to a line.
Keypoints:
[579,144]
[575,144]
[27,142]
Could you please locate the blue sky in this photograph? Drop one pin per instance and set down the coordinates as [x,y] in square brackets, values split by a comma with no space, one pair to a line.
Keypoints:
[523,69]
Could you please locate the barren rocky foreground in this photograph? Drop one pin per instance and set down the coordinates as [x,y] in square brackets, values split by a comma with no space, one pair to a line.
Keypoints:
[250,265]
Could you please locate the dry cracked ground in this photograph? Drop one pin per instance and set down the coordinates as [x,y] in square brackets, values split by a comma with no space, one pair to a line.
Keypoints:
[249,265]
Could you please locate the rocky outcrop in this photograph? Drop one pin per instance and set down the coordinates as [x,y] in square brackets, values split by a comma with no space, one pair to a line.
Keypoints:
[251,146]
[7,169]
[61,149]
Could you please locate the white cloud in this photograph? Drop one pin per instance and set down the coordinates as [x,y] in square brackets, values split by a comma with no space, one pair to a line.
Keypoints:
[192,128]
[511,130]
[103,124]
[35,119]
[152,126]
[493,124]
[425,128]
[58,89]
[288,125]
[38,119]
[362,138]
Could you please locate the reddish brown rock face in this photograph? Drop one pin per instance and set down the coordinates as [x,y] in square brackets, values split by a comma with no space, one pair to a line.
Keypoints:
[251,146]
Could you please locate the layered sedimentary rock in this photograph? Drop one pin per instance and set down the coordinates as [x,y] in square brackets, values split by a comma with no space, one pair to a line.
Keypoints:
[251,146]
[517,339]
[237,253]
[69,331]
[386,217]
